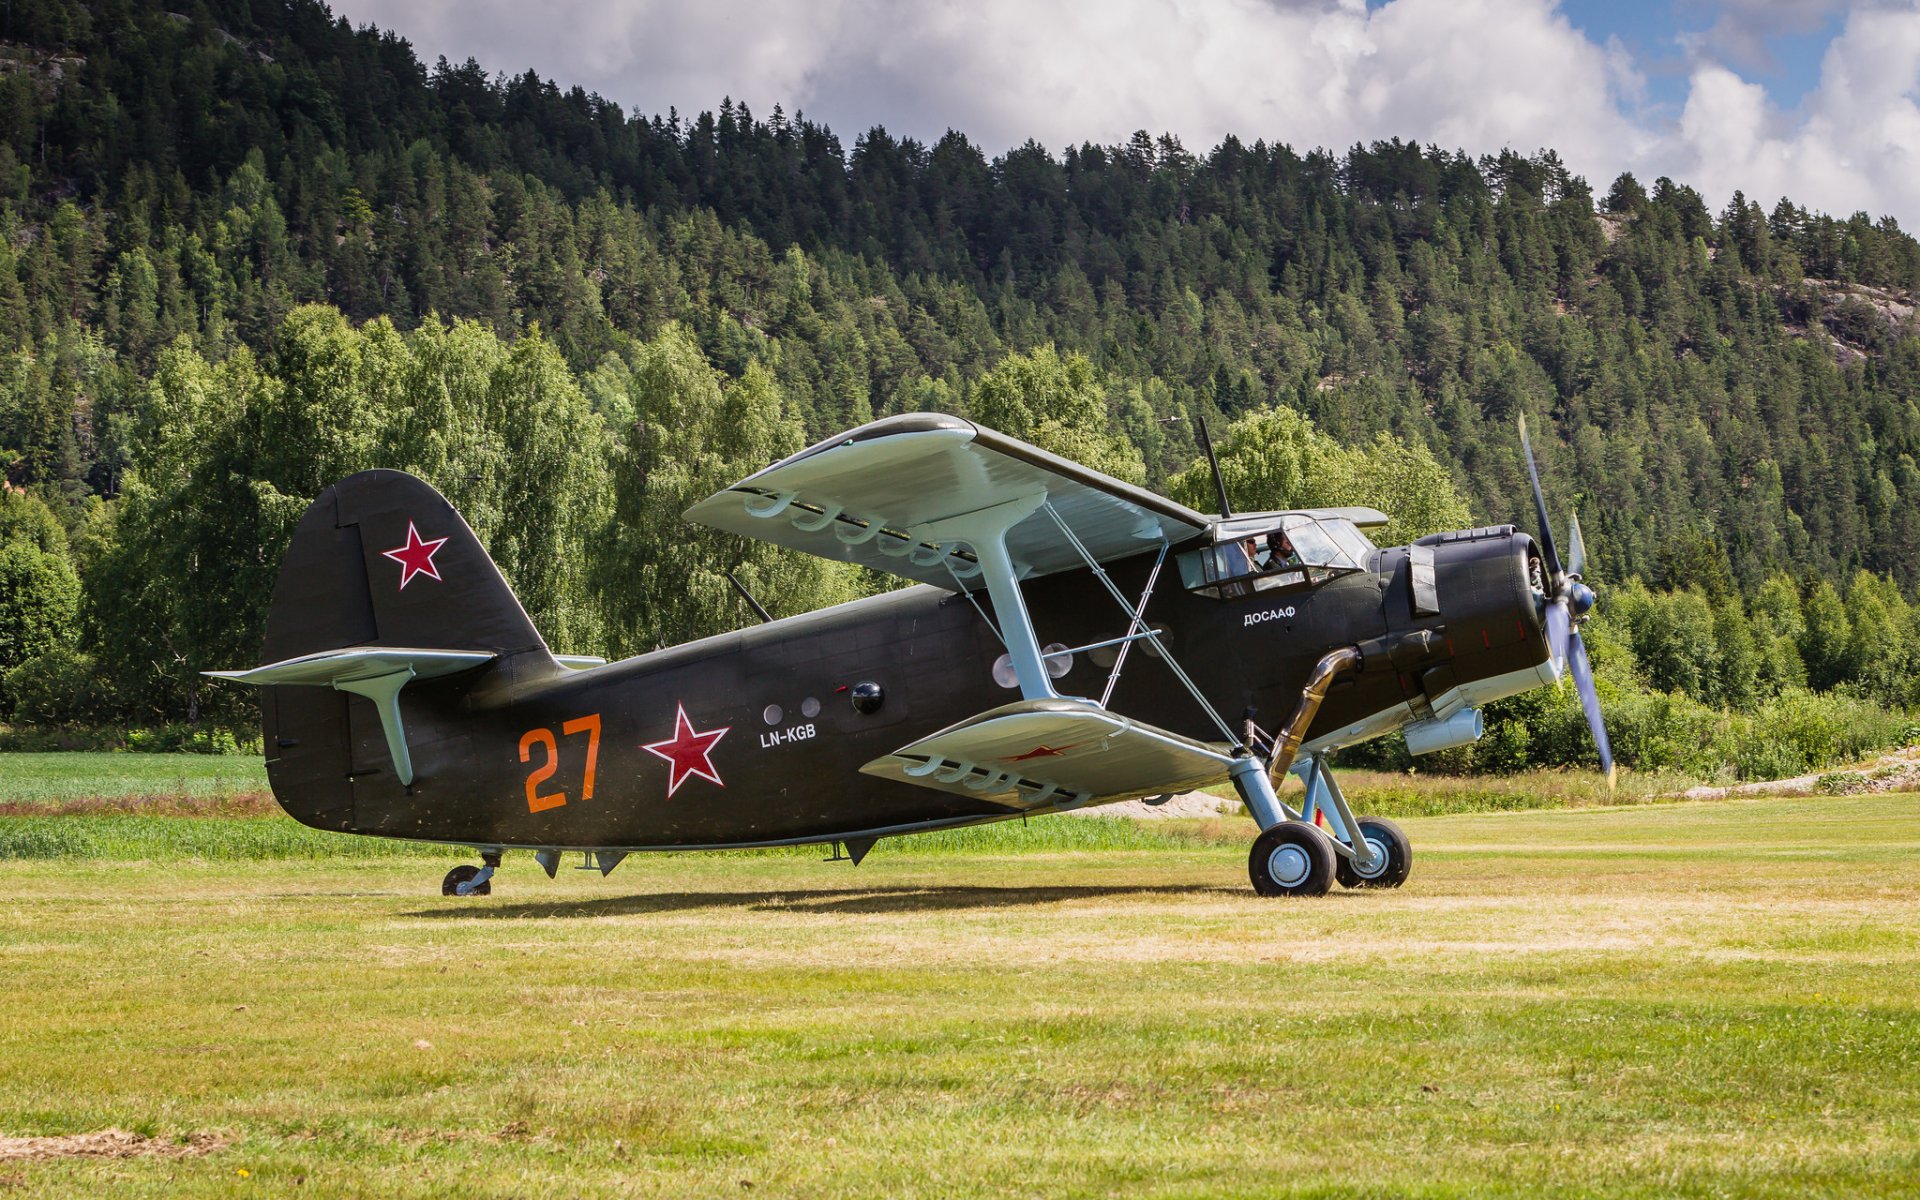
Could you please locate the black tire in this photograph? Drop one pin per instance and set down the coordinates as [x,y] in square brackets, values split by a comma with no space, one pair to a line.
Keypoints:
[1385,835]
[1291,859]
[460,875]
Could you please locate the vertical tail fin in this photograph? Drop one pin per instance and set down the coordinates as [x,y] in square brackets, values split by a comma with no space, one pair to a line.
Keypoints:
[383,585]
[381,559]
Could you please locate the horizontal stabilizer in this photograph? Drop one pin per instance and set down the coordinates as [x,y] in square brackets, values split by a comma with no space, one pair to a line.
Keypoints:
[378,673]
[359,663]
[879,494]
[1037,754]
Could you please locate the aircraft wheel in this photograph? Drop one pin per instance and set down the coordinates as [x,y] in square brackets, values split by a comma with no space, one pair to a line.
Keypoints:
[1395,851]
[462,874]
[1291,859]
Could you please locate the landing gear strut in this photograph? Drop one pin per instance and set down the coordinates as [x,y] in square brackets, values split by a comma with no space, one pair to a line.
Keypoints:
[469,880]
[1292,857]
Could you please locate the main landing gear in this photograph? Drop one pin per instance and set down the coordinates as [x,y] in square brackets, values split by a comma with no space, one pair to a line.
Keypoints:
[1294,857]
[469,880]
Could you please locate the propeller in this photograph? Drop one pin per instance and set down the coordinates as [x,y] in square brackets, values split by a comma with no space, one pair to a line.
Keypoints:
[1568,602]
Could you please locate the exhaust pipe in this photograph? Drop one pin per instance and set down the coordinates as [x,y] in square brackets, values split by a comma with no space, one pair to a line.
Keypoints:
[1286,747]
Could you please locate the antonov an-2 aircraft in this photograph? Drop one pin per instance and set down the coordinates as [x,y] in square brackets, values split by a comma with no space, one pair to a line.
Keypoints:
[1073,640]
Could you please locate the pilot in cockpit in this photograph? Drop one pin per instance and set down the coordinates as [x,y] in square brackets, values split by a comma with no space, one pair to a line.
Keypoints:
[1280,551]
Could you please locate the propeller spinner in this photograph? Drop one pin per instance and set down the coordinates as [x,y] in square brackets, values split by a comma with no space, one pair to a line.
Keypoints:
[1568,602]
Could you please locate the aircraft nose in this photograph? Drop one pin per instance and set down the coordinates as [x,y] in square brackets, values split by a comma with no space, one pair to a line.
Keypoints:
[1580,599]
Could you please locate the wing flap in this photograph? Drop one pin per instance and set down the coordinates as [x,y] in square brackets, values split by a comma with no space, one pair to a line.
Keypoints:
[862,497]
[1037,754]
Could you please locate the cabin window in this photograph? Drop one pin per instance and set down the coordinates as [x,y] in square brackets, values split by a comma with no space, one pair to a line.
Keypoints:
[1274,553]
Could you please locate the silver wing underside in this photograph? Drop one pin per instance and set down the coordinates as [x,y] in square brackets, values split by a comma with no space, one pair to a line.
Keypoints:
[867,497]
[1037,754]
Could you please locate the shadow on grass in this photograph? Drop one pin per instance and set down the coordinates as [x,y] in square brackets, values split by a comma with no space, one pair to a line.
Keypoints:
[820,900]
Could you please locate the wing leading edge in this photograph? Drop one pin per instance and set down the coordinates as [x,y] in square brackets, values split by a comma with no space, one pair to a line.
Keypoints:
[875,495]
[1042,754]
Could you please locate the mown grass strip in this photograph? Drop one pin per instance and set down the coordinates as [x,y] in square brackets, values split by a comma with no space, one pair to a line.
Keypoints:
[81,775]
[126,838]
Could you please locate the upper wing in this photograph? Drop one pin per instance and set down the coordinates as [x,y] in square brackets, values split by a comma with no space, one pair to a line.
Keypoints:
[859,498]
[1041,753]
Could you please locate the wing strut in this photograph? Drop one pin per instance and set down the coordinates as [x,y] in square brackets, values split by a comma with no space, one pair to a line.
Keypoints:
[1166,653]
[1135,629]
[985,530]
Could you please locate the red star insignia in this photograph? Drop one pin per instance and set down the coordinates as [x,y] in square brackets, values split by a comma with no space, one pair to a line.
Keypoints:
[688,751]
[416,557]
[1041,751]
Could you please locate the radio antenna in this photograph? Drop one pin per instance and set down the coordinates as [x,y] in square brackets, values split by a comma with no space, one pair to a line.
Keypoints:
[1219,483]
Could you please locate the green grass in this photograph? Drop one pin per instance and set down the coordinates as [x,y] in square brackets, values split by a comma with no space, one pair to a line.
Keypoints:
[134,837]
[1391,794]
[1678,1000]
[52,778]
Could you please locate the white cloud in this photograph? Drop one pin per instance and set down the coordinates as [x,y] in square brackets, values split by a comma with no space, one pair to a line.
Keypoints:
[1471,74]
[1853,145]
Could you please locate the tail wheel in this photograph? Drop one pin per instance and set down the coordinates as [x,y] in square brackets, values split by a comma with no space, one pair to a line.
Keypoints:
[464,873]
[1291,859]
[1392,855]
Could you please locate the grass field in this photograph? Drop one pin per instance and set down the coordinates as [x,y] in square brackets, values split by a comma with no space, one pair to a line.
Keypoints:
[55,779]
[207,784]
[1687,999]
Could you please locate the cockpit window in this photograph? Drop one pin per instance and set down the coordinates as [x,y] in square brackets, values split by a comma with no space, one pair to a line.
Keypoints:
[1315,546]
[1274,551]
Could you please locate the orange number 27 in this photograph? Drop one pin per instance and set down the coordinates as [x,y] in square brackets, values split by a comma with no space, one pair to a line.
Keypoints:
[589,725]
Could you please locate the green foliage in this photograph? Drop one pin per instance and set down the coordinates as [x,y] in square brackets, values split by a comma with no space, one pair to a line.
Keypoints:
[39,595]
[232,452]
[1276,459]
[692,432]
[25,519]
[1057,403]
[58,686]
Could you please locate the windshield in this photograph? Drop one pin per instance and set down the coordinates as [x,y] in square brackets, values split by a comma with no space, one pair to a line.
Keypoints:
[1359,548]
[1315,547]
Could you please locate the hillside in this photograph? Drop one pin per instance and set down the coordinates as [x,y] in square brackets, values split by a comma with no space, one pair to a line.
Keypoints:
[1731,396]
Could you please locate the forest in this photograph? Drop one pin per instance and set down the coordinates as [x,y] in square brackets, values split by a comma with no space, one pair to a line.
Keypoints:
[246,248]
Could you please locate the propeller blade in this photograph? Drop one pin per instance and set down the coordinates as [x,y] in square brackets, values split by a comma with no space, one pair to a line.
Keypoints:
[1548,552]
[1590,701]
[1576,548]
[1559,625]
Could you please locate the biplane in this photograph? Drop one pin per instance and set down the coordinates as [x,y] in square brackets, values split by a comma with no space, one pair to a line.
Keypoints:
[1069,640]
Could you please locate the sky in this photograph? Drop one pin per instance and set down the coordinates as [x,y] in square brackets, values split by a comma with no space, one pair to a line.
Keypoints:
[1818,100]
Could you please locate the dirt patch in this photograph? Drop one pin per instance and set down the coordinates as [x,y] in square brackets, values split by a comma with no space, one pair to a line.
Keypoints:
[238,804]
[1896,772]
[1191,804]
[107,1143]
